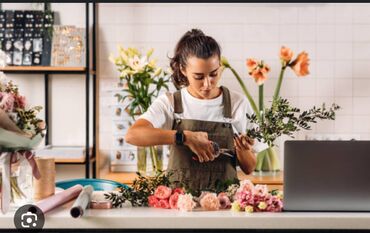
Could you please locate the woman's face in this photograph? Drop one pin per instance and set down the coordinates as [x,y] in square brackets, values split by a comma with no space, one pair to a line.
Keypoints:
[203,76]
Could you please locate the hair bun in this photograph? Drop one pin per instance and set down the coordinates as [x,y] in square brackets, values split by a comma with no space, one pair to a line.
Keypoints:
[195,33]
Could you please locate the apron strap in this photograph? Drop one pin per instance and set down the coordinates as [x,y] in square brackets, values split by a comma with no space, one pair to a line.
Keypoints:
[226,100]
[177,102]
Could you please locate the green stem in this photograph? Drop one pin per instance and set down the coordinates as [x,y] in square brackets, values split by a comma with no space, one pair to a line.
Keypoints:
[260,93]
[246,92]
[154,157]
[278,85]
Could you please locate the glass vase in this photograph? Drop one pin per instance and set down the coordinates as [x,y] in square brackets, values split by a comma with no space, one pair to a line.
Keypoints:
[21,183]
[141,159]
[268,161]
[150,159]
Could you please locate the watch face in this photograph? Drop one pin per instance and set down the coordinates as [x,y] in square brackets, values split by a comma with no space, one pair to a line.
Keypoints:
[179,138]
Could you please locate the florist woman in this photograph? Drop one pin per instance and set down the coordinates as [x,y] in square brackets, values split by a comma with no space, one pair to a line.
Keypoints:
[200,113]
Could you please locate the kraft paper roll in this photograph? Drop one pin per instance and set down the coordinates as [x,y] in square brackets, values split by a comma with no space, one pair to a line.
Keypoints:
[45,186]
[82,202]
[59,199]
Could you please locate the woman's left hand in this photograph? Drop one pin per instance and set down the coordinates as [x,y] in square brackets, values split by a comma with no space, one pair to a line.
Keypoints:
[243,142]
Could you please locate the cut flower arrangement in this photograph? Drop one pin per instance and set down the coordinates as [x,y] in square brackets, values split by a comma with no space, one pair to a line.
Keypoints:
[142,81]
[158,192]
[20,131]
[280,117]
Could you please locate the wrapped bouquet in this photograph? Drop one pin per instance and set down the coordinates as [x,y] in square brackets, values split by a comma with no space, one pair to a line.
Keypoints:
[20,132]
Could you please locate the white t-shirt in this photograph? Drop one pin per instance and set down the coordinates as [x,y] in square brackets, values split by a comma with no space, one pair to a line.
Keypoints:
[161,112]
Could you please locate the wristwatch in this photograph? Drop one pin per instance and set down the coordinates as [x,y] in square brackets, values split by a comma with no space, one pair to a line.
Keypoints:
[179,137]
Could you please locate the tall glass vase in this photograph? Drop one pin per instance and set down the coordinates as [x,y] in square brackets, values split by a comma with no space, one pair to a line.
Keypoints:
[141,159]
[268,161]
[149,159]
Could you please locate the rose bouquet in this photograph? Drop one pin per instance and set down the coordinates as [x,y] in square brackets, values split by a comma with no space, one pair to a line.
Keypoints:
[20,132]
[142,81]
[159,192]
[279,118]
[256,198]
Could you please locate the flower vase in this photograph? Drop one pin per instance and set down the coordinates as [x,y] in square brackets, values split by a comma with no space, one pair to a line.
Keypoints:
[268,161]
[155,160]
[141,159]
[149,159]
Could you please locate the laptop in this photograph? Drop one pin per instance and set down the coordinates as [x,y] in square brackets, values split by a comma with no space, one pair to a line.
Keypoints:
[327,176]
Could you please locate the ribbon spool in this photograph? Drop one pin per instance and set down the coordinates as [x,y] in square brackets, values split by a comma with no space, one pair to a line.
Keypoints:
[45,186]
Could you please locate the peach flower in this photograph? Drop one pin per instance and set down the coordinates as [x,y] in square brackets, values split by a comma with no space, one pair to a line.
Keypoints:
[41,125]
[300,64]
[185,202]
[210,202]
[162,192]
[286,54]
[260,74]
[251,64]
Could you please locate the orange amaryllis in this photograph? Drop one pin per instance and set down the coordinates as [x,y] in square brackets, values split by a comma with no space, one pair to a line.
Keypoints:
[251,64]
[259,73]
[300,64]
[286,54]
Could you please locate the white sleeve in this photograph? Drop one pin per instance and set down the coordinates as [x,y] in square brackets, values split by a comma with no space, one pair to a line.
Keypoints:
[242,124]
[160,113]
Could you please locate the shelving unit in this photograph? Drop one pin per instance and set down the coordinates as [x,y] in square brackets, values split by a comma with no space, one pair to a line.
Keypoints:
[89,70]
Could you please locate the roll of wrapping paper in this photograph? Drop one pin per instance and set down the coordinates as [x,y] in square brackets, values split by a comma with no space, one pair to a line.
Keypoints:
[45,186]
[82,202]
[59,199]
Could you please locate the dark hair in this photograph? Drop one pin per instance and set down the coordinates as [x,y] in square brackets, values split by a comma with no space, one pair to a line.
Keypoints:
[192,43]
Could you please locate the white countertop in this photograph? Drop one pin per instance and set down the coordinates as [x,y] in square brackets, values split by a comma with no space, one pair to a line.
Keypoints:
[144,217]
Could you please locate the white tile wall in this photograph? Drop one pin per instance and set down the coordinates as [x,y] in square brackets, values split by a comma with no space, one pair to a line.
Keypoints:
[336,36]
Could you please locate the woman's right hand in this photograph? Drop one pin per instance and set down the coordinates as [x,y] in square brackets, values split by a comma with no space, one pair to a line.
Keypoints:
[198,142]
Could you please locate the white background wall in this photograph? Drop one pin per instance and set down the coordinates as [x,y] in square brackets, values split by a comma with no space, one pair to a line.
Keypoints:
[336,36]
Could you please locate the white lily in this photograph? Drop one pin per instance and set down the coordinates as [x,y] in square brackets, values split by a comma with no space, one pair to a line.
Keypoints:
[137,64]
[157,72]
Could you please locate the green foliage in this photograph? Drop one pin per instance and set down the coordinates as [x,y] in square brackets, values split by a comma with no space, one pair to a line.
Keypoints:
[282,118]
[141,189]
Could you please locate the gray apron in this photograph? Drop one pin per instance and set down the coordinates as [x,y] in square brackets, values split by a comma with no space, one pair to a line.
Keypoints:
[191,173]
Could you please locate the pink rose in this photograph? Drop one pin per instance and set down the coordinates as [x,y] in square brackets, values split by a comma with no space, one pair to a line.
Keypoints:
[300,64]
[210,202]
[152,201]
[224,201]
[286,54]
[178,190]
[173,200]
[162,192]
[185,202]
[7,102]
[20,101]
[164,204]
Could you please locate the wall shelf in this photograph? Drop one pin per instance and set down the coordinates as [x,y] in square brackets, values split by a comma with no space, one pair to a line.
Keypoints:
[45,69]
[88,71]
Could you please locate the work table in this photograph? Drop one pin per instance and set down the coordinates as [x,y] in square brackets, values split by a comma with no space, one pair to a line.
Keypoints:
[152,218]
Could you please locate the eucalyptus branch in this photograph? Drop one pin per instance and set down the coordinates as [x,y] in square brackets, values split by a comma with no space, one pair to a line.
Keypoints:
[282,118]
